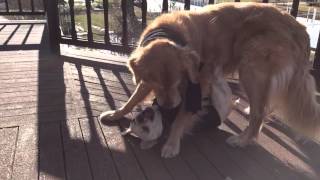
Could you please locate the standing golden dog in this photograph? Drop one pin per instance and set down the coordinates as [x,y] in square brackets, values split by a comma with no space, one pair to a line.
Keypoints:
[269,48]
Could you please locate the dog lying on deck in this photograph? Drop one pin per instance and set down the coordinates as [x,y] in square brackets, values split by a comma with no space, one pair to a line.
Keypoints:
[148,125]
[269,48]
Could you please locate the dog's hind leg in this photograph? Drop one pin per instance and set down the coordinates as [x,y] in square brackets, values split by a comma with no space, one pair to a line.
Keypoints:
[256,82]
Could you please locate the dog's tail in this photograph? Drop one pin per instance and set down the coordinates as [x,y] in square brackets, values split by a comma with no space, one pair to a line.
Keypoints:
[301,109]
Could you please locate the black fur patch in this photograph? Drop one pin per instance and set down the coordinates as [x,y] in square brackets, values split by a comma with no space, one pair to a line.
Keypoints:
[163,33]
[193,97]
[209,120]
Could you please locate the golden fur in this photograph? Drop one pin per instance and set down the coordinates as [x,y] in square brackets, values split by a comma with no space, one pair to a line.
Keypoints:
[269,48]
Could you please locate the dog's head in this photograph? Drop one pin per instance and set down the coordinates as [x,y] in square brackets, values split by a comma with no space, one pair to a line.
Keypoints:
[147,125]
[162,65]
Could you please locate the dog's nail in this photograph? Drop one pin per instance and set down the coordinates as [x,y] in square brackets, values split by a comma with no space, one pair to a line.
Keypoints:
[127,131]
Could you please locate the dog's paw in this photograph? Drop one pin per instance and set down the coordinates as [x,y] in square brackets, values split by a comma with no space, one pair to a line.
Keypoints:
[170,150]
[110,115]
[237,141]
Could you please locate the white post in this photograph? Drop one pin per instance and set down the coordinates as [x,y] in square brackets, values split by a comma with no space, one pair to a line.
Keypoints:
[314,14]
[308,14]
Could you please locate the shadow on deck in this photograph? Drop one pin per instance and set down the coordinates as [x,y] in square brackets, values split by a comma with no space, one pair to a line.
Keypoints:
[49,129]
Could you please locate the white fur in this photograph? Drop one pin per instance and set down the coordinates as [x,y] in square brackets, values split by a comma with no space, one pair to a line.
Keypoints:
[221,95]
[154,126]
[294,94]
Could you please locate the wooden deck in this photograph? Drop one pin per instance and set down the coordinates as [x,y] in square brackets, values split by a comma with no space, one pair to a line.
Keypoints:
[49,129]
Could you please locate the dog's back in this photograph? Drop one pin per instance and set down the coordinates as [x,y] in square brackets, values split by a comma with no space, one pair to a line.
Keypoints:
[270,49]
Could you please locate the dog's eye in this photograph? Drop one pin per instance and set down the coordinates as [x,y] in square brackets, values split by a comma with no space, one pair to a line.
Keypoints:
[145,129]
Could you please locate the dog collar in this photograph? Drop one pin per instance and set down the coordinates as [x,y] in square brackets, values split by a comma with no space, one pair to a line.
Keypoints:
[163,33]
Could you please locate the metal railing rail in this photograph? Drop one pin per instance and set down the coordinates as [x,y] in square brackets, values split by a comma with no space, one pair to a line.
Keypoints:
[22,9]
[124,46]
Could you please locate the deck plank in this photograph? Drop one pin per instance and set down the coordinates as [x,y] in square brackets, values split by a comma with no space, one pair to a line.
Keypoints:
[125,159]
[100,157]
[178,168]
[19,36]
[245,162]
[76,159]
[51,161]
[198,163]
[6,33]
[149,159]
[219,158]
[7,151]
[293,163]
[152,165]
[25,165]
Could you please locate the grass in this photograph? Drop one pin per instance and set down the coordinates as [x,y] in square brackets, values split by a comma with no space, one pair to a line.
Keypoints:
[97,20]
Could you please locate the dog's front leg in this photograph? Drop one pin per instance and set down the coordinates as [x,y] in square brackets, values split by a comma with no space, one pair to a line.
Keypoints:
[141,91]
[180,125]
[205,79]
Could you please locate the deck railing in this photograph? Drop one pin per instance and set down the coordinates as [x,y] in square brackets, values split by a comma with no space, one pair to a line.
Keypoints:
[22,7]
[124,43]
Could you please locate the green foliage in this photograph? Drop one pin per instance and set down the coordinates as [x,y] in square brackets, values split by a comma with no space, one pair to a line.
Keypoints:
[97,4]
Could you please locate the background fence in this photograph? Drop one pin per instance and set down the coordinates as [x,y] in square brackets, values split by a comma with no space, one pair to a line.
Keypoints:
[116,24]
[22,7]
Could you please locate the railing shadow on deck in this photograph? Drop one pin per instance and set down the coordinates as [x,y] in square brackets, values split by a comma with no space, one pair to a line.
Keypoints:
[304,153]
[18,46]
[79,137]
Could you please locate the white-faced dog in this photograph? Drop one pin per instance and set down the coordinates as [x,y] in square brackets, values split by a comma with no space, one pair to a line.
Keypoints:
[147,126]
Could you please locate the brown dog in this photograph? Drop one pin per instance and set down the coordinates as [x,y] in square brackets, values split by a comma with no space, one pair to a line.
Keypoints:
[269,48]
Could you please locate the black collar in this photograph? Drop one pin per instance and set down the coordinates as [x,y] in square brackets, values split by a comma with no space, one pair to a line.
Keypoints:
[163,33]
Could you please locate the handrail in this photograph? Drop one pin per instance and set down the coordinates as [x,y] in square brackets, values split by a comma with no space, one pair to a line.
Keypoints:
[125,45]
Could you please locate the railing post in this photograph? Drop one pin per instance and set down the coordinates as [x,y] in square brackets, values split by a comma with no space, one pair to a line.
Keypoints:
[295,8]
[164,6]
[106,21]
[144,8]
[124,23]
[316,64]
[53,25]
[7,5]
[73,26]
[19,5]
[32,5]
[89,26]
[187,4]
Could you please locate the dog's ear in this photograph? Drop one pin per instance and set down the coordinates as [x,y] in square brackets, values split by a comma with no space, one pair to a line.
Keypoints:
[191,63]
[134,68]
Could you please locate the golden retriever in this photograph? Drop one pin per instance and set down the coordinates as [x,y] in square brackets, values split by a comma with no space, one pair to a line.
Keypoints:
[269,48]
